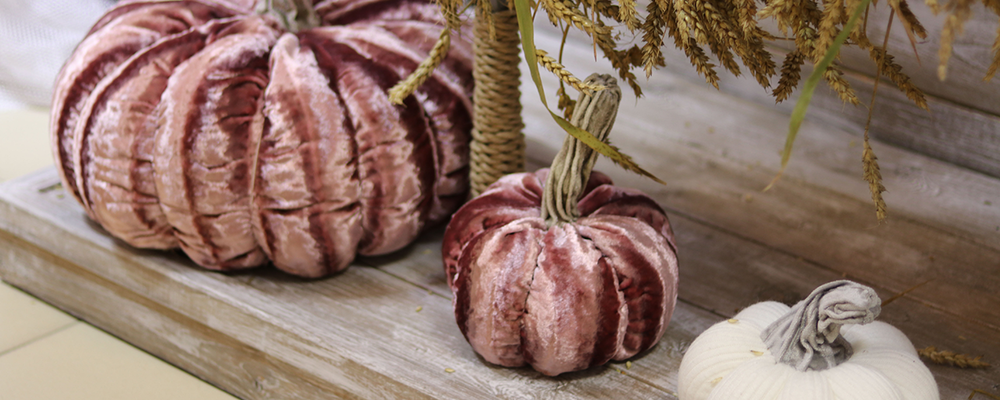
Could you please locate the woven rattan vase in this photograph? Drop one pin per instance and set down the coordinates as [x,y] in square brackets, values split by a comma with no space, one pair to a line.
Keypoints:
[497,147]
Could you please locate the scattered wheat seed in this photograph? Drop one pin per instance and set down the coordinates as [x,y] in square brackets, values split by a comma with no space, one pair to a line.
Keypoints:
[733,320]
[420,308]
[716,381]
[757,353]
[628,365]
[449,370]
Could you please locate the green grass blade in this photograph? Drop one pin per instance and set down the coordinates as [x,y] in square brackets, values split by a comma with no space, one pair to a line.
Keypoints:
[799,112]
[526,28]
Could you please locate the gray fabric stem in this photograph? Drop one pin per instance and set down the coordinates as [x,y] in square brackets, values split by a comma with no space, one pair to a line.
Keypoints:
[808,336]
[570,171]
[294,15]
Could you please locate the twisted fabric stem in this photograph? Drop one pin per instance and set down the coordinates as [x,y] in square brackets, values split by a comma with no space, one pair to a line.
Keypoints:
[293,15]
[595,112]
[808,336]
[497,147]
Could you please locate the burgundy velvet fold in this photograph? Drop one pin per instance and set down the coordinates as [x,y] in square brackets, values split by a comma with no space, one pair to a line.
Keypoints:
[201,125]
[115,38]
[567,297]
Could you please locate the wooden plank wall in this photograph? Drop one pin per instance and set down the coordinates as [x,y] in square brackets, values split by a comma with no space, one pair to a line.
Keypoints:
[740,245]
[963,124]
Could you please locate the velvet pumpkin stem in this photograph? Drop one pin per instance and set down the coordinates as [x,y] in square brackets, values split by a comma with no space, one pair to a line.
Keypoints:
[808,336]
[294,15]
[595,112]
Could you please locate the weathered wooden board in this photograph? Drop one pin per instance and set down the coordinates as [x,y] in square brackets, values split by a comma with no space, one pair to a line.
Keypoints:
[261,334]
[712,128]
[967,66]
[962,126]
[717,152]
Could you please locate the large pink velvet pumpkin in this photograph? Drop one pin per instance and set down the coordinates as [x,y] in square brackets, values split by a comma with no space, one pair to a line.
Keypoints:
[206,126]
[566,297]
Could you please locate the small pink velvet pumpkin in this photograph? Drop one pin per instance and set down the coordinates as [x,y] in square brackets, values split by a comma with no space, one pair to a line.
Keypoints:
[567,297]
[209,126]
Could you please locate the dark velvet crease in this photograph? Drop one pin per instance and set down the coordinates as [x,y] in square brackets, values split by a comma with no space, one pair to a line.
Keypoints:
[307,169]
[208,136]
[97,57]
[341,12]
[396,159]
[608,333]
[439,99]
[497,336]
[239,152]
[113,175]
[634,250]
[599,289]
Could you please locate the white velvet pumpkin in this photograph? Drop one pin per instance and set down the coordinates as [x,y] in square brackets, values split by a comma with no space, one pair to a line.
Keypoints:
[730,361]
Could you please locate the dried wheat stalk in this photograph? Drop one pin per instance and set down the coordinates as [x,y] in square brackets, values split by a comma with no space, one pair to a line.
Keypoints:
[951,358]
[730,31]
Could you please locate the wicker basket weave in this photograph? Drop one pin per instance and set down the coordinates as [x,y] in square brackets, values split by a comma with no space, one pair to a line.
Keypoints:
[497,147]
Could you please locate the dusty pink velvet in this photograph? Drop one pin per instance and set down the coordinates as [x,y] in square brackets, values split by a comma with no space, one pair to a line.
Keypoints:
[563,298]
[200,125]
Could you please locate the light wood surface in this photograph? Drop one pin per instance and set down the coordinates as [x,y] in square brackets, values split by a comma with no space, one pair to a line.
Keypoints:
[261,334]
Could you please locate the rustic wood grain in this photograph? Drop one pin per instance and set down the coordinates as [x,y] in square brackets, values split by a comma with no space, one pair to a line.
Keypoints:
[800,217]
[967,67]
[962,126]
[356,334]
[948,131]
[721,274]
[262,334]
[676,113]
[717,152]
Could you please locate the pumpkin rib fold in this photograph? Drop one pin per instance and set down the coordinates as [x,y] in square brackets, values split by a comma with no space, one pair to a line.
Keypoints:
[166,128]
[298,229]
[448,131]
[108,45]
[587,299]
[227,78]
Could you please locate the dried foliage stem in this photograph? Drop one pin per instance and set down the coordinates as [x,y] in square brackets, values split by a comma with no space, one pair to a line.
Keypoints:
[984,393]
[404,88]
[730,30]
[799,112]
[951,358]
[564,75]
[566,103]
[526,29]
[960,10]
[869,162]
[401,90]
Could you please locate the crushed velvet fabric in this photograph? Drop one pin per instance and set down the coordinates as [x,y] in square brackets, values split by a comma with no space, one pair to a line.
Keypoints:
[204,126]
[563,298]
